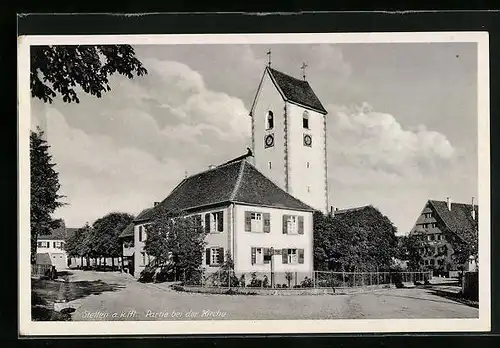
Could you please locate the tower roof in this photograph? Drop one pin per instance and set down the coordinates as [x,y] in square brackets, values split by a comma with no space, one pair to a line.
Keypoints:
[293,90]
[235,182]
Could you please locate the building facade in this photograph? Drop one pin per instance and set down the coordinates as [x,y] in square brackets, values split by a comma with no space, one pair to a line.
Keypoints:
[438,222]
[289,137]
[244,213]
[53,246]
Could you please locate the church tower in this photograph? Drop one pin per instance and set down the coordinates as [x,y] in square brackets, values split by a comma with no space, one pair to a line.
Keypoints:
[289,137]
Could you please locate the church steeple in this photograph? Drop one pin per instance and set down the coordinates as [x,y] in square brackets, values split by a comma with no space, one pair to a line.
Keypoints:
[289,136]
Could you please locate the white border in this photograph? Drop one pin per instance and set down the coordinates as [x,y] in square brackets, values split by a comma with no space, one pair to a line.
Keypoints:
[483,323]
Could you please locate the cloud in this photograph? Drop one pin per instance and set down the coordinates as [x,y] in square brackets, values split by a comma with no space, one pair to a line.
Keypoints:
[133,145]
[362,140]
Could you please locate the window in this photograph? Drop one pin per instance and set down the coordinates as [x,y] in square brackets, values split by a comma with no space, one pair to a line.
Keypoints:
[307,164]
[142,234]
[39,244]
[269,120]
[433,261]
[305,120]
[429,237]
[433,224]
[308,188]
[293,224]
[214,256]
[427,215]
[143,258]
[292,256]
[270,165]
[257,222]
[214,222]
[432,237]
[43,244]
[260,256]
[426,262]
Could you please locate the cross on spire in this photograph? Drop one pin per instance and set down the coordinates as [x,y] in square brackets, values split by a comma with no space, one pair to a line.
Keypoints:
[303,67]
[269,54]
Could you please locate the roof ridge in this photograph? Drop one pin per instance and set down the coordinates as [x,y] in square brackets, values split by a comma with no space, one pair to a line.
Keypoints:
[210,169]
[238,181]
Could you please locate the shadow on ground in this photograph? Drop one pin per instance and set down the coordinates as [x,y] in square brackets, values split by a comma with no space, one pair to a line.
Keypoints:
[45,292]
[457,297]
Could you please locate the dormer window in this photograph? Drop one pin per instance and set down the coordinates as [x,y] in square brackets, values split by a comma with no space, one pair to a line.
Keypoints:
[305,120]
[269,120]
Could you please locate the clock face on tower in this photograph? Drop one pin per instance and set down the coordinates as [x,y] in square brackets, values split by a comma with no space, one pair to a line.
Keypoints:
[269,140]
[307,140]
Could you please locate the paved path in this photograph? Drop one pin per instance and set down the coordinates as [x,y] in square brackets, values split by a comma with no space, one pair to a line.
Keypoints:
[132,300]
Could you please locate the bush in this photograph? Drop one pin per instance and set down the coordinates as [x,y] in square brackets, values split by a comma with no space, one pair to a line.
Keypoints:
[307,283]
[177,287]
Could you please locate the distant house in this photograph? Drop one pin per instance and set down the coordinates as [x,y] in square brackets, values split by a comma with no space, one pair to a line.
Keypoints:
[437,223]
[52,247]
[243,212]
[127,239]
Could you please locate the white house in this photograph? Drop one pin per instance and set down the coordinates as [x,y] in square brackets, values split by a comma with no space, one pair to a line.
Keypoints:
[245,213]
[53,246]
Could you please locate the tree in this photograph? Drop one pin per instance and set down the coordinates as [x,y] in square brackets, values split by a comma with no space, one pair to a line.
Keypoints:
[361,240]
[75,245]
[45,186]
[106,232]
[410,249]
[176,239]
[59,69]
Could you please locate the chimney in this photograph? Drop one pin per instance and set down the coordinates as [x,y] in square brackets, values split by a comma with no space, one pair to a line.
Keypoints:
[156,203]
[473,210]
[448,203]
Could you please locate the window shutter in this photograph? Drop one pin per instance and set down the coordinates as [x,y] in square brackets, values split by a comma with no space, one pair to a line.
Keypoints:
[285,218]
[267,223]
[267,255]
[140,233]
[220,221]
[248,221]
[284,254]
[301,225]
[207,254]
[207,223]
[220,257]
[253,256]
[301,255]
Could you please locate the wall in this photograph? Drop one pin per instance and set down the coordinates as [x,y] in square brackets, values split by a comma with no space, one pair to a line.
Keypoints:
[57,255]
[244,241]
[269,99]
[300,177]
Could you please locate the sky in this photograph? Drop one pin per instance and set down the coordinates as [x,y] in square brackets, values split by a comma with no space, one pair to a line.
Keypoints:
[402,124]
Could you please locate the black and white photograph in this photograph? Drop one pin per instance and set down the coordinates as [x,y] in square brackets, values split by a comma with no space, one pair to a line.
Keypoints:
[254,183]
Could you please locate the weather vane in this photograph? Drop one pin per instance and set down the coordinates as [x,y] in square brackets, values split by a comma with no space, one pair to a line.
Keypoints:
[269,54]
[303,67]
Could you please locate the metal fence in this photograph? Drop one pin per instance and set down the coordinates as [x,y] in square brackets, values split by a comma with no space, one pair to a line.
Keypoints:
[316,279]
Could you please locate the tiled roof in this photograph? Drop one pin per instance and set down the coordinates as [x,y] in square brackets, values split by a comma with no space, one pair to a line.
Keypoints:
[61,233]
[128,231]
[459,219]
[143,215]
[296,90]
[237,182]
[349,210]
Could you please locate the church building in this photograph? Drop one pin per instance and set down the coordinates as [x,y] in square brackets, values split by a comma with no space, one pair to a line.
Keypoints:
[259,206]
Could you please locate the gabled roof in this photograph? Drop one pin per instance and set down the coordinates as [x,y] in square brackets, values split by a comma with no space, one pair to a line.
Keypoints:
[128,231]
[61,233]
[459,219]
[238,182]
[43,259]
[292,90]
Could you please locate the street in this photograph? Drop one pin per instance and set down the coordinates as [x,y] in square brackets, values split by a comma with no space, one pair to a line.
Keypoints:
[114,296]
